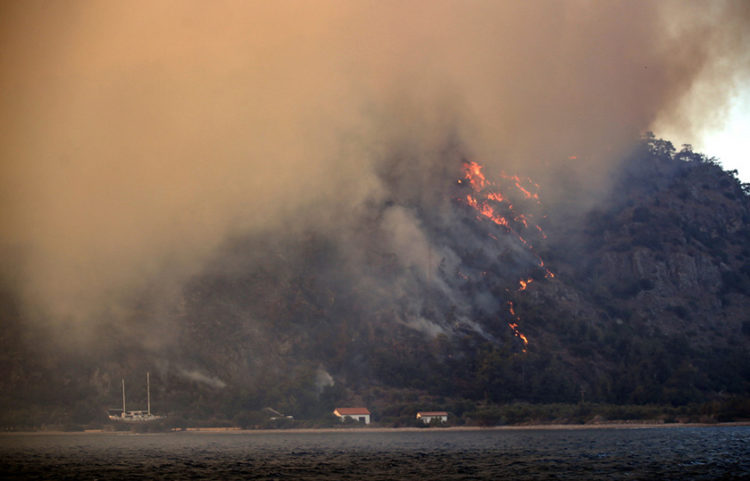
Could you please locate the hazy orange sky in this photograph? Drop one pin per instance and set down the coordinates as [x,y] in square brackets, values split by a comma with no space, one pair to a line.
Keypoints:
[136,136]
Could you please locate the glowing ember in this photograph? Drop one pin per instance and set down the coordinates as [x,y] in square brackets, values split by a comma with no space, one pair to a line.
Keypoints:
[518,183]
[525,283]
[496,196]
[528,194]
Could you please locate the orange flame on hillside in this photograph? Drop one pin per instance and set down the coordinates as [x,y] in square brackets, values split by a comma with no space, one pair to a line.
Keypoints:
[487,211]
[475,176]
[519,334]
[514,327]
[497,197]
[490,203]
[518,183]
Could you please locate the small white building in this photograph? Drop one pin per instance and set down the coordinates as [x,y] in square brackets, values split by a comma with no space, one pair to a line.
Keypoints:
[428,416]
[357,414]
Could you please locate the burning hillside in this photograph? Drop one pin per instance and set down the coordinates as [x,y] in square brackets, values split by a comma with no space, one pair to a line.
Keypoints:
[459,292]
[448,291]
[264,194]
[432,269]
[492,204]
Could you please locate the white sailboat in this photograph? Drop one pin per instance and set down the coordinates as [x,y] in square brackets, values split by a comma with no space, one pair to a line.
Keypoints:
[136,416]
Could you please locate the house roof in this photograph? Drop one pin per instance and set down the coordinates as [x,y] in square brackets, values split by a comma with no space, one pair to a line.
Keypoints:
[431,413]
[351,411]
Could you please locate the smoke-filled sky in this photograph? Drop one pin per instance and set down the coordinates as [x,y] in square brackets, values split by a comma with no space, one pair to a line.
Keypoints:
[136,136]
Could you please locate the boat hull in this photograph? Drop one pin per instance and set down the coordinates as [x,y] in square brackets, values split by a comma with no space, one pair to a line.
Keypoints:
[134,417]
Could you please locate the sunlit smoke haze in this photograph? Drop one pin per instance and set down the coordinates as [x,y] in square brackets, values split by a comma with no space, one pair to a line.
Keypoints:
[137,137]
[714,114]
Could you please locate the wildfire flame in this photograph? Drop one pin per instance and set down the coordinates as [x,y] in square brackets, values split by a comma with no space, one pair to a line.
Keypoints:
[491,204]
[487,211]
[514,326]
[518,183]
[475,176]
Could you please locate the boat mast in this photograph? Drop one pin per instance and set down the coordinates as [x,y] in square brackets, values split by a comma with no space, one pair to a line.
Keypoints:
[123,396]
[148,392]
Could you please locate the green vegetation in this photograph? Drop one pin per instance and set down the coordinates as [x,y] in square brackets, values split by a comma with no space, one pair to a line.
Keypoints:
[461,413]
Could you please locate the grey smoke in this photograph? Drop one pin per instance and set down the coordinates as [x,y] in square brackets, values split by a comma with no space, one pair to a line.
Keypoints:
[202,378]
[136,137]
[322,380]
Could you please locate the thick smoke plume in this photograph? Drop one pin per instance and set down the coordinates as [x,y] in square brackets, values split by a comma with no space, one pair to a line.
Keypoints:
[136,137]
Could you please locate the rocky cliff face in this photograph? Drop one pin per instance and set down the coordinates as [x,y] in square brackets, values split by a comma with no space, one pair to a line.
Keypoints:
[662,276]
[675,256]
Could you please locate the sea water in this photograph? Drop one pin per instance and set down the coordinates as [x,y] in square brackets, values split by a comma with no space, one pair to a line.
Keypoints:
[684,453]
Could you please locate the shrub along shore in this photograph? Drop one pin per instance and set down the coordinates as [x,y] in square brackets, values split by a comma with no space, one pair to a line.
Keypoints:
[460,416]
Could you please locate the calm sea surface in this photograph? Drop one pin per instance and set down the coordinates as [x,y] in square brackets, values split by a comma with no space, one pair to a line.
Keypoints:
[654,453]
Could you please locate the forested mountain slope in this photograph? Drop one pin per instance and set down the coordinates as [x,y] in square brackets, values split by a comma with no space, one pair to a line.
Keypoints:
[458,283]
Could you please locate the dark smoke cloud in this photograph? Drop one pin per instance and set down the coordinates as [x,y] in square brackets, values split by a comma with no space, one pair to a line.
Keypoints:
[136,137]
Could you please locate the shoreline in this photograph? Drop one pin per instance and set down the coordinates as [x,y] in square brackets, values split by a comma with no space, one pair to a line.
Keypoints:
[523,427]
[519,427]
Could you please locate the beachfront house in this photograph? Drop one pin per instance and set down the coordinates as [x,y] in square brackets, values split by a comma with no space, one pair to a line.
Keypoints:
[428,416]
[357,414]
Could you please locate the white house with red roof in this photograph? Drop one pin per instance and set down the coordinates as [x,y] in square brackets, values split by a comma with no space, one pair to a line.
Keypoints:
[357,414]
[428,416]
